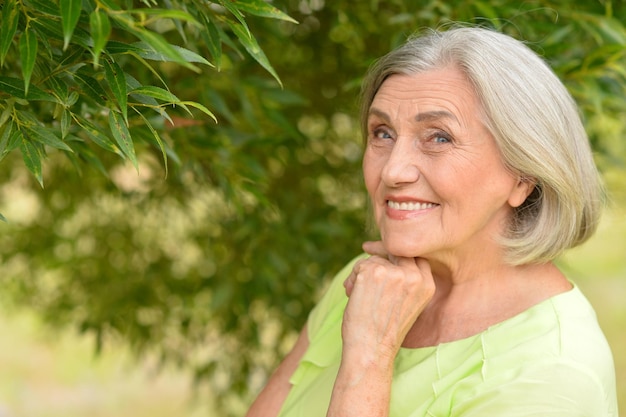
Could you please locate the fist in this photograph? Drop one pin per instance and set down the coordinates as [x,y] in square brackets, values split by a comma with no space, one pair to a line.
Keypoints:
[386,295]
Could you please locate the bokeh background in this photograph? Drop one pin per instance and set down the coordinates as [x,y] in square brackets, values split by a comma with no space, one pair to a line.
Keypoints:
[128,293]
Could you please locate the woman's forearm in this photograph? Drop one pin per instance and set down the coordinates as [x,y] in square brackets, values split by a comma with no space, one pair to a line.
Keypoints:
[362,388]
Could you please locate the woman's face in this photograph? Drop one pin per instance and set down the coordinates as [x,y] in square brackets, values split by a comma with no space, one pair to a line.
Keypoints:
[433,171]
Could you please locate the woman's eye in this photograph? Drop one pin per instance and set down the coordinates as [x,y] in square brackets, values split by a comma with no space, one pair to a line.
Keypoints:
[382,134]
[441,138]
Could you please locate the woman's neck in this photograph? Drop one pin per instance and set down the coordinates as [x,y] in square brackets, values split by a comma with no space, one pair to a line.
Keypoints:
[465,305]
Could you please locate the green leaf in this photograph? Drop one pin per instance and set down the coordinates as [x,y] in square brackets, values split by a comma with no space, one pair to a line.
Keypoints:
[7,112]
[122,136]
[58,87]
[613,30]
[66,123]
[4,219]
[46,137]
[100,32]
[157,140]
[174,14]
[91,88]
[150,102]
[8,27]
[13,142]
[45,6]
[117,83]
[158,43]
[32,159]
[157,93]
[5,139]
[229,5]
[15,88]
[147,52]
[70,12]
[199,107]
[253,48]
[155,41]
[115,47]
[263,9]
[83,151]
[28,54]
[211,37]
[97,136]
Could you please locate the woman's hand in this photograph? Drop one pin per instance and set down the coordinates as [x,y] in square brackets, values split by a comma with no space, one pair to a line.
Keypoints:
[387,294]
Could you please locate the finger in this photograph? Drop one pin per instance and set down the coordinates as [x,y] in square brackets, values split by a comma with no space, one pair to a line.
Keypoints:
[348,284]
[402,261]
[423,265]
[375,248]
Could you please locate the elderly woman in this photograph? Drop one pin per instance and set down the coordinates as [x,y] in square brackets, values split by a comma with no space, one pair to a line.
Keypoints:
[480,174]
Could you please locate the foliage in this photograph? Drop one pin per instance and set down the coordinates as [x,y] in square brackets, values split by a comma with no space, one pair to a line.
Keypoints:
[217,265]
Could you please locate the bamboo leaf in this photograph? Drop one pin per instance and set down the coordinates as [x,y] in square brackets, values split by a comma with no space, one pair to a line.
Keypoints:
[46,137]
[8,27]
[157,93]
[15,88]
[91,87]
[133,84]
[228,5]
[45,6]
[117,83]
[66,123]
[58,88]
[148,52]
[83,151]
[115,47]
[263,9]
[211,37]
[7,112]
[100,32]
[122,136]
[28,54]
[253,48]
[13,142]
[70,12]
[613,30]
[5,139]
[158,141]
[32,159]
[97,136]
[155,41]
[174,14]
[201,108]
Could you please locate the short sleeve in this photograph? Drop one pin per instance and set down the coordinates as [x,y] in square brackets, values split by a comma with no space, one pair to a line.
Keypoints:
[335,294]
[562,389]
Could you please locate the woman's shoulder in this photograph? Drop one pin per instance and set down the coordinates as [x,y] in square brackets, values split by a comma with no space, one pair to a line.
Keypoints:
[561,329]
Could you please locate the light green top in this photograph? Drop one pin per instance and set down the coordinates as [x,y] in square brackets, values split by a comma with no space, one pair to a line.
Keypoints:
[551,360]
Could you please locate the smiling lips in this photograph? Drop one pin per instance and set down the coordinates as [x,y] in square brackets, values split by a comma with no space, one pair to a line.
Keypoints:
[409,206]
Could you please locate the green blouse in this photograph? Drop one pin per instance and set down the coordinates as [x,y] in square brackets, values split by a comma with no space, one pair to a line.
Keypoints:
[551,360]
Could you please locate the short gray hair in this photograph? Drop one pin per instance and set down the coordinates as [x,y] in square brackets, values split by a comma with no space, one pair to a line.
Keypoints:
[535,123]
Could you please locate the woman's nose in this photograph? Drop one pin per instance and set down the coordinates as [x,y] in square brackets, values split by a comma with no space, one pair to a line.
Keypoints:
[401,165]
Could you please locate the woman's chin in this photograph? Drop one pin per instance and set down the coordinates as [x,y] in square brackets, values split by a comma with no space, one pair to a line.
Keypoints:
[402,250]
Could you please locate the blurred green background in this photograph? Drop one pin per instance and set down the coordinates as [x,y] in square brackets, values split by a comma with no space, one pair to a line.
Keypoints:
[128,292]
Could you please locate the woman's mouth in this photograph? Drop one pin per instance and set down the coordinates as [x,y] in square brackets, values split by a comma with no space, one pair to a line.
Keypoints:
[409,205]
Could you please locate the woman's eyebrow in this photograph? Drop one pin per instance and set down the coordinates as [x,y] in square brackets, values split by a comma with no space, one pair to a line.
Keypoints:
[376,112]
[428,116]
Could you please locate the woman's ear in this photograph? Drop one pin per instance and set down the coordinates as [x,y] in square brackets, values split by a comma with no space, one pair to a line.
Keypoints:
[525,185]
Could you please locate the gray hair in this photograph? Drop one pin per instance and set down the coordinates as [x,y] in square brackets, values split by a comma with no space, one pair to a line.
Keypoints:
[535,123]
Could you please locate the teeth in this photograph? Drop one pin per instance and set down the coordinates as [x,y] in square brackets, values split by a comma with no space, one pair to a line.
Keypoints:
[409,206]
